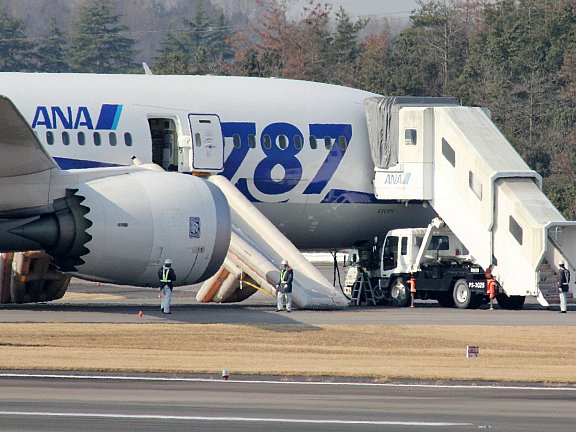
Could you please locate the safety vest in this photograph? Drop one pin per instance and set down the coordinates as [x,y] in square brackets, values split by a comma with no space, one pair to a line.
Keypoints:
[283,275]
[165,272]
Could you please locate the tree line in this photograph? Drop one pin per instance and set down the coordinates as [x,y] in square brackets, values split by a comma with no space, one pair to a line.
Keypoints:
[515,57]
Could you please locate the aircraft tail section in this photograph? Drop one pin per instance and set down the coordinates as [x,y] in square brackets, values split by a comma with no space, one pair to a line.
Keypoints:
[256,249]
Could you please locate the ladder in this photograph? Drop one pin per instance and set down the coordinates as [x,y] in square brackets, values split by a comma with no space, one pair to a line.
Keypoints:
[362,284]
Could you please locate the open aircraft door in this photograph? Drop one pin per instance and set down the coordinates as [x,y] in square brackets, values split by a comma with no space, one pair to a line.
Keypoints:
[207,143]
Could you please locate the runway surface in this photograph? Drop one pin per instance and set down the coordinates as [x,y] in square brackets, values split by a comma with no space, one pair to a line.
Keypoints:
[29,403]
[92,303]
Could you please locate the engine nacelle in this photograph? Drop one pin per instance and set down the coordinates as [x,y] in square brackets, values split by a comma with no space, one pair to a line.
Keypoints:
[140,219]
[120,229]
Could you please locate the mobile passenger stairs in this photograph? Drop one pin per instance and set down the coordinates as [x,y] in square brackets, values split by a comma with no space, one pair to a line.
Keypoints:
[453,158]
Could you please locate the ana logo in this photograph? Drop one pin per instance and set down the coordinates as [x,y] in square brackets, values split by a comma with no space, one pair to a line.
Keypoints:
[397,179]
[55,117]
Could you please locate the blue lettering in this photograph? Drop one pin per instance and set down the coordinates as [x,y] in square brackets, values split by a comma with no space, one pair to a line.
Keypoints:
[58,114]
[83,118]
[42,118]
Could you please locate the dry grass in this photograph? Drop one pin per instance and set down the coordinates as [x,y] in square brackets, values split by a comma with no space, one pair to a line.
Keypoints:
[426,352]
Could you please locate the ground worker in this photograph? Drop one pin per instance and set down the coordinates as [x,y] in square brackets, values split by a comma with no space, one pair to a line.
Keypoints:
[563,279]
[167,278]
[285,287]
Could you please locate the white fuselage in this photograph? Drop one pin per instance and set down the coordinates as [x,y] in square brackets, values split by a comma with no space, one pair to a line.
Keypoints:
[298,150]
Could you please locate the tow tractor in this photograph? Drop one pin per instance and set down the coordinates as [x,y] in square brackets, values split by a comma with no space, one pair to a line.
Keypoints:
[428,263]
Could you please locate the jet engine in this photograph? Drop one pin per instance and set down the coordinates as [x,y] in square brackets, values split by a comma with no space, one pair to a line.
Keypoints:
[120,229]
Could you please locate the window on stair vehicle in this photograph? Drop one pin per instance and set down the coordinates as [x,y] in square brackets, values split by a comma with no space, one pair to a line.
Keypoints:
[475,185]
[439,242]
[404,246]
[410,136]
[448,152]
[515,230]
[390,253]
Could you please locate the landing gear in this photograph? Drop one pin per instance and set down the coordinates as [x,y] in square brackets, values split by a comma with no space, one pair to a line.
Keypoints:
[400,293]
[510,302]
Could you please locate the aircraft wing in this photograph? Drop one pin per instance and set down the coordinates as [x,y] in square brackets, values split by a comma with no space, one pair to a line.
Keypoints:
[25,167]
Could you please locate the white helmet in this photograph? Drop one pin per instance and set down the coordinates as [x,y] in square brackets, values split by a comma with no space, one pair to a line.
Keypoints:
[168,261]
[284,262]
[561,263]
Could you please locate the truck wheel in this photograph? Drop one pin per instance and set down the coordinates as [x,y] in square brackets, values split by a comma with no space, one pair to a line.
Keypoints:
[400,293]
[445,300]
[510,302]
[461,294]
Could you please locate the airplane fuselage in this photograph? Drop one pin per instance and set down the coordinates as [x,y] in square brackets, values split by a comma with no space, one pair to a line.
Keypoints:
[298,150]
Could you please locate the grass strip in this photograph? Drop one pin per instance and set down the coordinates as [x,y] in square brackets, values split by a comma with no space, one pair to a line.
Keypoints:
[528,354]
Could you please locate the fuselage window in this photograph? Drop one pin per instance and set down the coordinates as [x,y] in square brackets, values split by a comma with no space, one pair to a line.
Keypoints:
[198,139]
[128,139]
[97,139]
[328,142]
[81,138]
[112,138]
[50,138]
[252,141]
[313,142]
[282,142]
[343,142]
[236,141]
[298,142]
[267,141]
[65,138]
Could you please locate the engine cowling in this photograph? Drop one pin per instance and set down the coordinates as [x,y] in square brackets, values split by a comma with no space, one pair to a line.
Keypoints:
[120,229]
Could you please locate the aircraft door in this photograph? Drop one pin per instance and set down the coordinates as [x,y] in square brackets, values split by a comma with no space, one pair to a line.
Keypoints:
[207,143]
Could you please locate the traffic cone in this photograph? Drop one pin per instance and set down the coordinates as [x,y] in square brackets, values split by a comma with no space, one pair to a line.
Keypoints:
[140,314]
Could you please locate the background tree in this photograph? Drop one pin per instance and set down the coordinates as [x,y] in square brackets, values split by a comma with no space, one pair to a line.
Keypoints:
[53,49]
[98,44]
[16,51]
[202,44]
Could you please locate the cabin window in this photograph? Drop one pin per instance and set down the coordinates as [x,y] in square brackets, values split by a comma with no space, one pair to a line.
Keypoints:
[475,185]
[81,138]
[236,141]
[198,139]
[112,138]
[404,246]
[448,152]
[282,142]
[128,139]
[65,138]
[515,230]
[328,142]
[313,142]
[439,243]
[252,141]
[50,138]
[390,253]
[298,142]
[97,139]
[410,136]
[343,142]
[267,141]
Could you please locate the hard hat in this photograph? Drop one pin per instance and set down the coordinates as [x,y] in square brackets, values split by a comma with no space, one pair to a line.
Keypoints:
[168,262]
[284,262]
[561,263]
